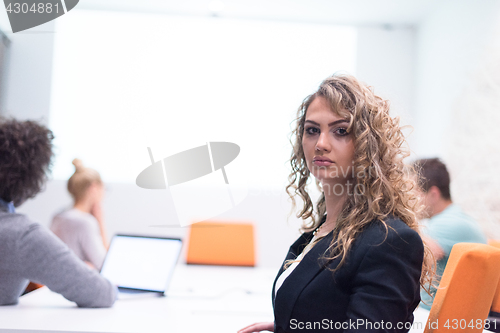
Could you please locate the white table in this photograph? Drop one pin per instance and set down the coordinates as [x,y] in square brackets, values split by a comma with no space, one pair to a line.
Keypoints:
[200,299]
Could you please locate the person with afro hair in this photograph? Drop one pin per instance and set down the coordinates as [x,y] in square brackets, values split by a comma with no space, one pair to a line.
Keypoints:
[30,252]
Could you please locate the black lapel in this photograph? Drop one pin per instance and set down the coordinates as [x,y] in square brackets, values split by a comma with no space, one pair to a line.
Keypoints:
[309,267]
[293,252]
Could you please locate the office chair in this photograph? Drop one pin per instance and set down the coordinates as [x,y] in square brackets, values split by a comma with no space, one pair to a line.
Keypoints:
[494,315]
[32,286]
[221,243]
[466,290]
[493,242]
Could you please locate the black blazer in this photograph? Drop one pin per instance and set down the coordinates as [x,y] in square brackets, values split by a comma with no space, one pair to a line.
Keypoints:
[376,289]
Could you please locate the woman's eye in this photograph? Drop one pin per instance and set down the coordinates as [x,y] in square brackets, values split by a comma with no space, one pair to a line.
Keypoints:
[312,130]
[341,131]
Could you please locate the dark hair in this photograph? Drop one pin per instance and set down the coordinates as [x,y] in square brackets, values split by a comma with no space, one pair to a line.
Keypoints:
[433,172]
[25,159]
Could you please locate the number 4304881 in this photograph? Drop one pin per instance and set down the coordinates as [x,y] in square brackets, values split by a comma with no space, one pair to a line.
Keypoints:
[40,7]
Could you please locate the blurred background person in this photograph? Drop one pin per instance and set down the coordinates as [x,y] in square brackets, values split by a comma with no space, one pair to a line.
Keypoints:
[30,252]
[82,227]
[447,224]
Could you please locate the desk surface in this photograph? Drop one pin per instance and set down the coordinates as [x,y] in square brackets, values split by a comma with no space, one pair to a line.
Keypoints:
[200,299]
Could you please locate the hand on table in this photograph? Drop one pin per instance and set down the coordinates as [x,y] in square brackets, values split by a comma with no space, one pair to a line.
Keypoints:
[258,327]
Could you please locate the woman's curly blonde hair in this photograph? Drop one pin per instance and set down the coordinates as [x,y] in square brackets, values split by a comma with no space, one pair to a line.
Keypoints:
[388,184]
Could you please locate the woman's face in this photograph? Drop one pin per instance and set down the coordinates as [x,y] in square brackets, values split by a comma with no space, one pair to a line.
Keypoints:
[328,147]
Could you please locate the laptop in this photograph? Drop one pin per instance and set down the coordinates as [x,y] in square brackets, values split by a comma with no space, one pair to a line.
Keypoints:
[141,265]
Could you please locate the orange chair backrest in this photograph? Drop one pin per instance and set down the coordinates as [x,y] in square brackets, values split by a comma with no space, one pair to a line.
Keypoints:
[495,305]
[466,289]
[220,243]
[494,243]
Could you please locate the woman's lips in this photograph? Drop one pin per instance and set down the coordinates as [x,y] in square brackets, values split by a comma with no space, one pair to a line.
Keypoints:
[322,162]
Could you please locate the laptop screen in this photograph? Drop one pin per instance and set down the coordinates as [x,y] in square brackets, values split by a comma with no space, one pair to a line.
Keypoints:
[142,263]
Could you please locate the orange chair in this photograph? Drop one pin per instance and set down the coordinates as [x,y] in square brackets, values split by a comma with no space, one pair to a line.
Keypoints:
[494,243]
[495,305]
[32,286]
[220,243]
[465,293]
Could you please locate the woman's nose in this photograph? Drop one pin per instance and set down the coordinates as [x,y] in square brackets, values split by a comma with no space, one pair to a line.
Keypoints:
[323,142]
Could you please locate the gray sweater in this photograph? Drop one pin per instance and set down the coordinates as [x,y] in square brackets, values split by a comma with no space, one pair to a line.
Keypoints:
[30,252]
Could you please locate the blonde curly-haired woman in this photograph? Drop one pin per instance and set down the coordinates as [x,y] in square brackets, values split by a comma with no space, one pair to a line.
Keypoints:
[360,262]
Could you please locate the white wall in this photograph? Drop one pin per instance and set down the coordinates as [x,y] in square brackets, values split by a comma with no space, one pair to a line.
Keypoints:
[450,42]
[386,61]
[28,73]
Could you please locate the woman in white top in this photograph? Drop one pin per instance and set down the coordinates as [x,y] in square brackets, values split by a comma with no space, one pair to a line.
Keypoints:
[82,227]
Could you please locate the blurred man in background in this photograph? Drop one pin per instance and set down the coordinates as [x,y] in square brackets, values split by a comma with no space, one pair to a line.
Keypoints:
[447,224]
